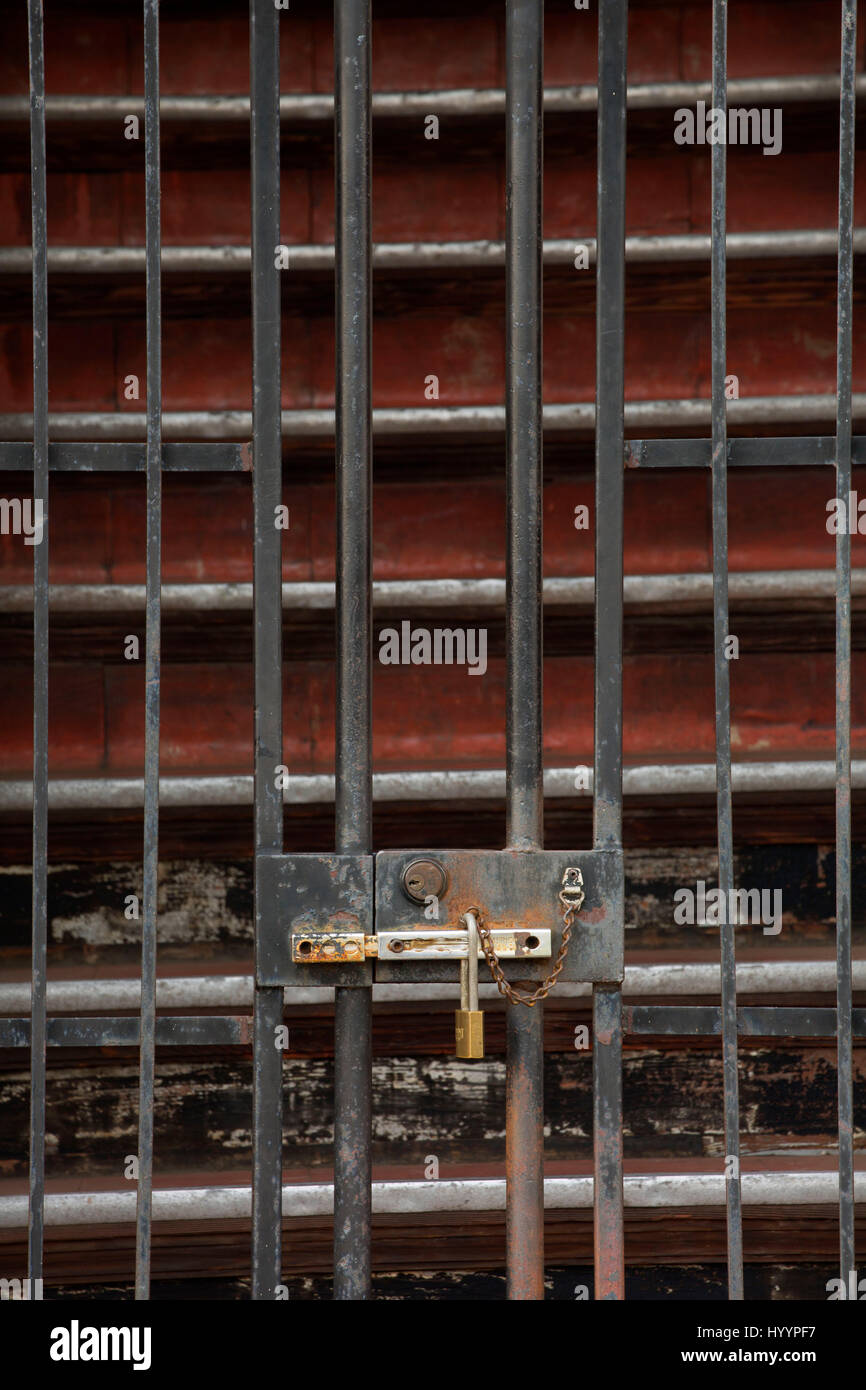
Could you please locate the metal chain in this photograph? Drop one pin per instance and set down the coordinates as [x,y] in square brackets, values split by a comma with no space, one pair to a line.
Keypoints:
[571,896]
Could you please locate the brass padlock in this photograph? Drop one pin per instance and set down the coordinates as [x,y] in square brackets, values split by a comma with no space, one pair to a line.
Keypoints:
[468,1019]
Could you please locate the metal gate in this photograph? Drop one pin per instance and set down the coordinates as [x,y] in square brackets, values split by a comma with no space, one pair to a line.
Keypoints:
[353,917]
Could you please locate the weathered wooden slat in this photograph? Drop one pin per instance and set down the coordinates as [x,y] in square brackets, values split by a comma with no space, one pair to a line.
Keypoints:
[431,1105]
[678,288]
[309,637]
[206,904]
[451,1242]
[649,1282]
[467,347]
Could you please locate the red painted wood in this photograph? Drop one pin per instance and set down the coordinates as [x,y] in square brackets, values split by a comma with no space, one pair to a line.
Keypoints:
[437,197]
[76,721]
[777,520]
[765,39]
[209,52]
[442,190]
[782,707]
[785,350]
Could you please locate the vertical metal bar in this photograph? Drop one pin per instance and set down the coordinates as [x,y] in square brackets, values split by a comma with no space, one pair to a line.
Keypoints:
[524,1151]
[607,1141]
[152,649]
[724,814]
[844,333]
[524,1141]
[268,640]
[609,485]
[354,742]
[40,648]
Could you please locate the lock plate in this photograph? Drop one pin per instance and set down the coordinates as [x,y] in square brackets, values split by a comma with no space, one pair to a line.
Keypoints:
[305,896]
[515,887]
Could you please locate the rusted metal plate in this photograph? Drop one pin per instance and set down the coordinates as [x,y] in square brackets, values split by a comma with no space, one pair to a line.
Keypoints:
[328,947]
[510,886]
[314,893]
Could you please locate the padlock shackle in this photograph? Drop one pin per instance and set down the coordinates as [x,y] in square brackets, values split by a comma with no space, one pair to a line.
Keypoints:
[469,966]
[469,1020]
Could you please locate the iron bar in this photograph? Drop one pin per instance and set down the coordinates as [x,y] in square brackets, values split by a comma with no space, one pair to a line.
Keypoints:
[607,748]
[467,102]
[126,1032]
[609,447]
[236,991]
[609,1261]
[524,1150]
[152,652]
[131,458]
[639,590]
[577,417]
[721,657]
[650,779]
[41,620]
[772,1021]
[267,579]
[641,1191]
[524,62]
[783,452]
[845,310]
[657,1190]
[425,256]
[524,1135]
[354,630]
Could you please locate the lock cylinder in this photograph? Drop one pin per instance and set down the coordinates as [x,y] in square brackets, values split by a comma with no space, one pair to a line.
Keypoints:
[468,1019]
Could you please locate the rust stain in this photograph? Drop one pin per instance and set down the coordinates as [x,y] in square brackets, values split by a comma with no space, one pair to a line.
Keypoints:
[632,456]
[593,916]
[411,943]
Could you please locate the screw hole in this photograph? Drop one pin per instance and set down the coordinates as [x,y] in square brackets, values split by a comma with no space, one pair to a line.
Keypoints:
[305,948]
[532,942]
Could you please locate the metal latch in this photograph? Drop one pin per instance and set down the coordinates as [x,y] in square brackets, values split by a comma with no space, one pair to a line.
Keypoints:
[412,943]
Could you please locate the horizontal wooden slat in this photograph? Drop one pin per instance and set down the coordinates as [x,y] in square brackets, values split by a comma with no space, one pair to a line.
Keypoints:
[443,199]
[451,1242]
[95,722]
[207,906]
[436,46]
[653,1282]
[777,520]
[430,1104]
[207,359]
